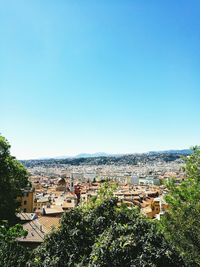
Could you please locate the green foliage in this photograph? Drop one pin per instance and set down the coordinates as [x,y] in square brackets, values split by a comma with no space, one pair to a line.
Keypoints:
[13,177]
[122,245]
[11,253]
[181,223]
[105,192]
[11,233]
[106,235]
[192,167]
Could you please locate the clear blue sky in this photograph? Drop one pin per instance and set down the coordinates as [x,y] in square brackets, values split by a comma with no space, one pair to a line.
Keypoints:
[86,76]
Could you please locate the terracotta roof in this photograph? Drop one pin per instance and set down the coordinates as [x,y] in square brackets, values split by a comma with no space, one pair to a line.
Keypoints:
[146,202]
[53,210]
[43,200]
[146,210]
[37,229]
[70,195]
[67,205]
[49,222]
[24,216]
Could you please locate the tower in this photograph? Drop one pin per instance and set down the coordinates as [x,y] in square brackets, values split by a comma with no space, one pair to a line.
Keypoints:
[72,183]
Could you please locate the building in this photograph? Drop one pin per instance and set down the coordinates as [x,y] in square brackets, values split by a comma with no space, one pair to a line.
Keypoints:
[26,217]
[39,203]
[72,183]
[156,206]
[26,200]
[149,181]
[52,211]
[61,185]
[152,210]
[37,229]
[135,179]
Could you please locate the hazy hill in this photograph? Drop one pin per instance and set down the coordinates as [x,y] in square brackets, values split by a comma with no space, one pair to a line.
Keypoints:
[132,159]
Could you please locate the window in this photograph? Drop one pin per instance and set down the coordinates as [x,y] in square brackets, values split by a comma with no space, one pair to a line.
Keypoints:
[24,210]
[25,202]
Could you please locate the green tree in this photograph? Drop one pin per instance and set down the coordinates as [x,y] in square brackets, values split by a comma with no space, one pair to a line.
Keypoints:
[132,244]
[13,178]
[11,253]
[192,166]
[105,235]
[181,224]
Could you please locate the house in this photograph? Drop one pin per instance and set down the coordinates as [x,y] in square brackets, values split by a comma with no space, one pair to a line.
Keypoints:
[39,203]
[26,217]
[52,211]
[37,229]
[26,200]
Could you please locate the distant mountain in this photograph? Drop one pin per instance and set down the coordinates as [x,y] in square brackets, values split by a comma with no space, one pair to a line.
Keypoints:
[49,158]
[105,157]
[82,155]
[103,154]
[173,151]
[94,155]
[102,158]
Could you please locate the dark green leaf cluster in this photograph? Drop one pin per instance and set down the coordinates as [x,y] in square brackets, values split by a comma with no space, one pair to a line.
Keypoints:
[11,253]
[181,224]
[13,178]
[106,235]
[193,164]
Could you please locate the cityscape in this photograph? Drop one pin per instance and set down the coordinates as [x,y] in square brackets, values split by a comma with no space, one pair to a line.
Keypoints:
[59,185]
[99,133]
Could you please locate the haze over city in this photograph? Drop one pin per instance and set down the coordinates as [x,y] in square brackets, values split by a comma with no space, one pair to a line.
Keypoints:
[91,76]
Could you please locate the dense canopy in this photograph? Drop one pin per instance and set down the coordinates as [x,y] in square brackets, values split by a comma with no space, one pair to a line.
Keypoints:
[13,178]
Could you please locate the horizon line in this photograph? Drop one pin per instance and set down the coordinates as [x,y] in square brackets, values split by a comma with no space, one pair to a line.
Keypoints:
[95,154]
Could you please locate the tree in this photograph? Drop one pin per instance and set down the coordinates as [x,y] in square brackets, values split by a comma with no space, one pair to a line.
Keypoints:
[192,166]
[11,253]
[13,178]
[132,244]
[181,224]
[105,235]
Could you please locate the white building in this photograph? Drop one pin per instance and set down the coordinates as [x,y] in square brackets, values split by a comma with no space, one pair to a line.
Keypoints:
[135,179]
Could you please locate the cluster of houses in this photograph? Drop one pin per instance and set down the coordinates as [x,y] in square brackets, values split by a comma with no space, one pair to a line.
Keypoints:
[41,207]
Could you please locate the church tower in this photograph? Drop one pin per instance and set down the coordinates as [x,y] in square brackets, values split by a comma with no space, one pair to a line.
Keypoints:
[72,183]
